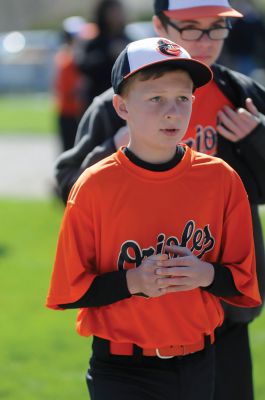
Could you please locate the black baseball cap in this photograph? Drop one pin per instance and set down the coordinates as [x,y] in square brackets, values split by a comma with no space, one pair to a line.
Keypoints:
[189,9]
[144,53]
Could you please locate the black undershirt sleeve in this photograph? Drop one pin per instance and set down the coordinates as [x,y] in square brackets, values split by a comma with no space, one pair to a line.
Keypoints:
[223,284]
[104,290]
[112,286]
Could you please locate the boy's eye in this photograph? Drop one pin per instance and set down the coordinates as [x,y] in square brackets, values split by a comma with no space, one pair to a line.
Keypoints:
[183,98]
[155,99]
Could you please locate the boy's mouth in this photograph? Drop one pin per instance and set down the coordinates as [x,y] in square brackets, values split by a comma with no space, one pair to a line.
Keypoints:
[169,131]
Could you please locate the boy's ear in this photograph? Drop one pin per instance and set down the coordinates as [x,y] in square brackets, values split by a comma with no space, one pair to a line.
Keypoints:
[193,98]
[158,26]
[120,106]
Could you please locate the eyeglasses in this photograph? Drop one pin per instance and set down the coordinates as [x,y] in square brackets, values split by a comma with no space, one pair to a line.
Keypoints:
[219,33]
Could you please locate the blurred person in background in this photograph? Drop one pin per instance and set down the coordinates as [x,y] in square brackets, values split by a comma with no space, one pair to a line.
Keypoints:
[244,48]
[95,57]
[68,83]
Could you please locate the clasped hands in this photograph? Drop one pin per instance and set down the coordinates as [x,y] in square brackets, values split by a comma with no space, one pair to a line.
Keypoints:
[158,274]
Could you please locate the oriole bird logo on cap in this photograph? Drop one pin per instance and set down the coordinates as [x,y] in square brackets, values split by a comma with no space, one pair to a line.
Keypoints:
[169,48]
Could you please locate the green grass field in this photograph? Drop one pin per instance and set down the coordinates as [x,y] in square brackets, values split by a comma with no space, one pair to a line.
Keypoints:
[42,357]
[29,113]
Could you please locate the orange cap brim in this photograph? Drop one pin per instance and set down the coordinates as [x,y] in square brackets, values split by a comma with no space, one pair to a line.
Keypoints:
[202,12]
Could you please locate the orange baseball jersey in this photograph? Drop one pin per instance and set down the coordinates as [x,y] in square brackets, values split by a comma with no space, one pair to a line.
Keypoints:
[202,136]
[118,213]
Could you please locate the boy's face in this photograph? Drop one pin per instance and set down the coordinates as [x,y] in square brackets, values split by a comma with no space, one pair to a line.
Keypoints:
[157,112]
[204,49]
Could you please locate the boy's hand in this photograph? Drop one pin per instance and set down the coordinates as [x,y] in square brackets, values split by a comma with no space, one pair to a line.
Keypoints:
[183,273]
[235,125]
[158,275]
[144,279]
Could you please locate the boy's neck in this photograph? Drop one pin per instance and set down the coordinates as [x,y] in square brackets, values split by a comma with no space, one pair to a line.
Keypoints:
[161,167]
[153,157]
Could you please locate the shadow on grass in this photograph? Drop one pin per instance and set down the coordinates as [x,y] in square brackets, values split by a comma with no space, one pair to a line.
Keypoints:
[4,250]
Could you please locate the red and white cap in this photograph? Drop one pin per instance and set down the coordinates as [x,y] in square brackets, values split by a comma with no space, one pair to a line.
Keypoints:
[145,53]
[193,9]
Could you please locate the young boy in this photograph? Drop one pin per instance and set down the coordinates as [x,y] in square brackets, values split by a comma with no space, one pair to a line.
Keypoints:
[228,120]
[147,247]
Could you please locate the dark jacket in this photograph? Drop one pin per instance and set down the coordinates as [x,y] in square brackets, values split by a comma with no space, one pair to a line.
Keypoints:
[94,141]
[247,156]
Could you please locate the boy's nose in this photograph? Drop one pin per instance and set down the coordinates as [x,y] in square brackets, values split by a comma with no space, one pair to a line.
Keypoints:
[172,112]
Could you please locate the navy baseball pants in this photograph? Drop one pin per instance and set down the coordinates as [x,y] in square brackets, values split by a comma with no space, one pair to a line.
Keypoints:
[138,377]
[233,363]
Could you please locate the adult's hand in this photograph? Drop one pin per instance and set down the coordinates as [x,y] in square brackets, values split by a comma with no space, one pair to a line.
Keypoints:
[235,125]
